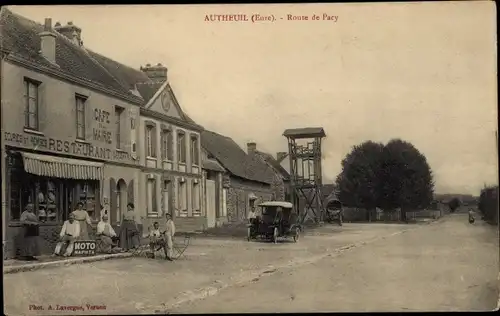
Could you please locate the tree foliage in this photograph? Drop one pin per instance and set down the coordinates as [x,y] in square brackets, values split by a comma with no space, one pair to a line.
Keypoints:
[395,175]
[454,204]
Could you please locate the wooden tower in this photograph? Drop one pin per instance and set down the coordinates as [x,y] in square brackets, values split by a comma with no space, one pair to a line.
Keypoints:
[304,151]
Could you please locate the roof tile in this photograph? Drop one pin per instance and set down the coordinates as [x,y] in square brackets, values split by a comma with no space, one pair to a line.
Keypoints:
[20,36]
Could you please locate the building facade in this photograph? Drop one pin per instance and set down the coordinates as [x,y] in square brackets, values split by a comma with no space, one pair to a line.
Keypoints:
[245,176]
[67,130]
[281,178]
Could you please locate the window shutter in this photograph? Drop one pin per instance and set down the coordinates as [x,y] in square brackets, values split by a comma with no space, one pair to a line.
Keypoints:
[89,118]
[42,112]
[112,201]
[131,125]
[154,140]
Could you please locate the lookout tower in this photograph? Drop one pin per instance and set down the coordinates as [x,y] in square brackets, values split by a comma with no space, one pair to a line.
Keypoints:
[304,150]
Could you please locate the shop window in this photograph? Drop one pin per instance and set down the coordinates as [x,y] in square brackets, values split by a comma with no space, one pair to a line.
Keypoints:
[195,156]
[53,199]
[195,195]
[31,100]
[80,116]
[86,192]
[181,147]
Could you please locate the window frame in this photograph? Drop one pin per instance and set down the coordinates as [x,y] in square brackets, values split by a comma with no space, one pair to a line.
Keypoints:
[83,99]
[165,145]
[27,113]
[181,147]
[195,153]
[150,141]
[195,198]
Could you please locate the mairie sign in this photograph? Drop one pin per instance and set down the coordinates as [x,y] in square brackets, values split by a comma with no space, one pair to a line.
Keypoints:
[84,248]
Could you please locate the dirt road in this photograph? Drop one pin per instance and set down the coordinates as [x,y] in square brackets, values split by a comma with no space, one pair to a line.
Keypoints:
[350,268]
[447,266]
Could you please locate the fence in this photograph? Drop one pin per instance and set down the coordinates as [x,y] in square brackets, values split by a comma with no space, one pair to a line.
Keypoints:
[352,214]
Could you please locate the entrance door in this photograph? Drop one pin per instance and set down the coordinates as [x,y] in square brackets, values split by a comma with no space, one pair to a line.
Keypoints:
[210,203]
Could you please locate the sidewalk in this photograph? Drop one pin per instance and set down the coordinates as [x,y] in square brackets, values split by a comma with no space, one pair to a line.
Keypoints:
[14,266]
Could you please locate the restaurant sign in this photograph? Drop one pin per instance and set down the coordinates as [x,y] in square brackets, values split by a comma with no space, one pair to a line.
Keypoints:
[88,150]
[84,248]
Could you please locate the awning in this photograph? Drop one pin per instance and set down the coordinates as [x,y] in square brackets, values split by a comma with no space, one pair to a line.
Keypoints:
[57,167]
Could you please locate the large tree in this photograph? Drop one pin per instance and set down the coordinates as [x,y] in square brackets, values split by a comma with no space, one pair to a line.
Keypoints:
[358,182]
[393,176]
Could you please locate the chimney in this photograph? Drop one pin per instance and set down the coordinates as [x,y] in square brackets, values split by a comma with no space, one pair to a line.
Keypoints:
[70,31]
[280,156]
[251,147]
[156,73]
[48,42]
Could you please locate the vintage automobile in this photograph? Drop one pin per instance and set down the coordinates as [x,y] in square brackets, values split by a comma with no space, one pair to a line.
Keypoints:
[334,211]
[276,219]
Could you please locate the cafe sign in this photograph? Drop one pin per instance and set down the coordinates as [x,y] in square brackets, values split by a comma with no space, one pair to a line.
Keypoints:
[55,145]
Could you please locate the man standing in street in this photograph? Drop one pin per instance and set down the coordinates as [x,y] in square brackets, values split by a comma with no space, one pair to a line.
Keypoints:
[169,237]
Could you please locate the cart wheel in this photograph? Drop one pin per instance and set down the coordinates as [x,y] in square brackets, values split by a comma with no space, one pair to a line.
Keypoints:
[249,234]
[297,234]
[275,235]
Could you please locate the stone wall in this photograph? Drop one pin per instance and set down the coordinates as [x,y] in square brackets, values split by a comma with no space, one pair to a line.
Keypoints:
[237,197]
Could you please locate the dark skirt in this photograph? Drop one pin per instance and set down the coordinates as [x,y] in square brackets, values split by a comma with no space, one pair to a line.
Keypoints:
[129,235]
[29,242]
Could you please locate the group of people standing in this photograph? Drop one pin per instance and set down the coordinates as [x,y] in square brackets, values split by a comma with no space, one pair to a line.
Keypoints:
[77,227]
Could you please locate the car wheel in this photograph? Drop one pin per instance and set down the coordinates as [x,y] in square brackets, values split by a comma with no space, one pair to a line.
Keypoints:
[275,235]
[297,234]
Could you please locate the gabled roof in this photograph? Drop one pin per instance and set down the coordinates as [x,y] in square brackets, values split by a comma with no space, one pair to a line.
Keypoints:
[148,89]
[127,76]
[234,159]
[19,37]
[274,164]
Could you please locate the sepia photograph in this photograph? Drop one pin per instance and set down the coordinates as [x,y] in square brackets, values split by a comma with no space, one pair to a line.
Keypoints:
[249,158]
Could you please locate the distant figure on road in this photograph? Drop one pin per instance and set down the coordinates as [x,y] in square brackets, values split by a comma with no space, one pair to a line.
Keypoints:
[471,216]
[70,232]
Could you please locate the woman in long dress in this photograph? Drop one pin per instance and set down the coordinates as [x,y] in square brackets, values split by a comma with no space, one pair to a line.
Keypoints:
[129,231]
[30,238]
[83,219]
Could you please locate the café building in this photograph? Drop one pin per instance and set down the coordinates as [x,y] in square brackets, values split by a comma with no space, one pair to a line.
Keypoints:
[68,130]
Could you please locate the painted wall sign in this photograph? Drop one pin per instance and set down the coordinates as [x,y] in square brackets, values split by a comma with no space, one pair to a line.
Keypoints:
[84,248]
[102,130]
[64,147]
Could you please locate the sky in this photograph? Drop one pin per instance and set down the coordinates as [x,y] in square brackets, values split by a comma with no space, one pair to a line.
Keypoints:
[422,72]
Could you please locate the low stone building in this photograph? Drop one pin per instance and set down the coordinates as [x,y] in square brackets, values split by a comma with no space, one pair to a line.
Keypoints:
[245,175]
[281,177]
